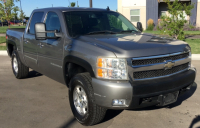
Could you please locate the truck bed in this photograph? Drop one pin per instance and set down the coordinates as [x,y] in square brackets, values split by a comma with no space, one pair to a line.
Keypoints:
[17,29]
[16,35]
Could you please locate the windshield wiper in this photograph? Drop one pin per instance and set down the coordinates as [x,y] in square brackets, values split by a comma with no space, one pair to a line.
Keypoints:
[99,32]
[129,31]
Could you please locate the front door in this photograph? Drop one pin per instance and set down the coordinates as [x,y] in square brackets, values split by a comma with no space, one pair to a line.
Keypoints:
[30,44]
[50,52]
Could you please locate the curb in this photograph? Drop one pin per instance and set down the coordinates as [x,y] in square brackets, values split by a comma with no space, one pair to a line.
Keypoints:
[3,53]
[194,56]
[2,35]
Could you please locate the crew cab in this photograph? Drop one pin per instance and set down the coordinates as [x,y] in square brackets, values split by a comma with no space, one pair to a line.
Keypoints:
[104,60]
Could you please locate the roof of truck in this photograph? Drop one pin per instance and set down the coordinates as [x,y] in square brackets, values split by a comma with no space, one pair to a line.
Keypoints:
[72,9]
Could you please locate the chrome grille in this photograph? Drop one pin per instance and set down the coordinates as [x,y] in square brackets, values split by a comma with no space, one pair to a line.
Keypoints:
[159,72]
[159,60]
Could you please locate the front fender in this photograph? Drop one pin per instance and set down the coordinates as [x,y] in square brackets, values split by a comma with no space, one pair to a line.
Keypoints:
[77,61]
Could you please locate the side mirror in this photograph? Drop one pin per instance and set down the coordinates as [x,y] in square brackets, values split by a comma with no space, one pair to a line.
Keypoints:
[139,26]
[40,31]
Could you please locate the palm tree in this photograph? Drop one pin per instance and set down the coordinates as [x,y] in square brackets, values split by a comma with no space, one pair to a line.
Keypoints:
[73,4]
[20,4]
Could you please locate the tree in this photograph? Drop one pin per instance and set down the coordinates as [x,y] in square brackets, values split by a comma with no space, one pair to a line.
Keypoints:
[15,12]
[6,8]
[173,24]
[22,15]
[73,4]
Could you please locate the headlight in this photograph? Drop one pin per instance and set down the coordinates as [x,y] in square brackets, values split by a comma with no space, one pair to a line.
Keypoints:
[111,68]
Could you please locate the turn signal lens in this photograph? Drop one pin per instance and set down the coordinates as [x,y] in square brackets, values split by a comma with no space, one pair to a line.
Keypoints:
[100,64]
[100,72]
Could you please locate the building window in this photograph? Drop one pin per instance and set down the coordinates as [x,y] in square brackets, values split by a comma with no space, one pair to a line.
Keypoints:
[135,15]
[163,13]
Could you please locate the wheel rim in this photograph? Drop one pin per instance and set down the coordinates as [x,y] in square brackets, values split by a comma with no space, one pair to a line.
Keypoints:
[80,100]
[15,65]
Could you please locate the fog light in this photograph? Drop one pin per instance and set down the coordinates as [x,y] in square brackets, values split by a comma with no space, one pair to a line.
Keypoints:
[119,102]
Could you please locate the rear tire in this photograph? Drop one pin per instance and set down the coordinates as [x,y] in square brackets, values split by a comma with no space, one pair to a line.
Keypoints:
[19,69]
[94,113]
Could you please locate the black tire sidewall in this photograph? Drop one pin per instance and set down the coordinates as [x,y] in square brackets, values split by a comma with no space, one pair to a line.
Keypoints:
[81,82]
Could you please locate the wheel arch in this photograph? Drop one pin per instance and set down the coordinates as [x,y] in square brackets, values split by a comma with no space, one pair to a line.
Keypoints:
[77,63]
[11,45]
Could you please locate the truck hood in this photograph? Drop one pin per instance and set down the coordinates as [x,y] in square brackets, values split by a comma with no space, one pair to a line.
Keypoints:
[136,45]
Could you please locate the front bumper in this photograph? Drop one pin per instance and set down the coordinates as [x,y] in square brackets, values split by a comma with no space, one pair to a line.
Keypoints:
[140,93]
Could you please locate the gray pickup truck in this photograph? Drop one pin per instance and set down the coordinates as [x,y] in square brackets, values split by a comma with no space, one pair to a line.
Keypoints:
[104,60]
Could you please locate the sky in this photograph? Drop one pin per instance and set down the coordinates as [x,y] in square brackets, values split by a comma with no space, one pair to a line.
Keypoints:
[29,5]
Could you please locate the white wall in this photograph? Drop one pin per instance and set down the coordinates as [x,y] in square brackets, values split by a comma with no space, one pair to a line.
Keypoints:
[198,13]
[128,3]
[124,7]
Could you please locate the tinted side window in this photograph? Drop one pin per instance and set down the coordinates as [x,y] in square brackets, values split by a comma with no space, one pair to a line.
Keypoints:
[52,22]
[36,18]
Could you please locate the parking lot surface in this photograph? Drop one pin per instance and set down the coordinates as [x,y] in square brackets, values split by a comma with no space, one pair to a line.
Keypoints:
[39,102]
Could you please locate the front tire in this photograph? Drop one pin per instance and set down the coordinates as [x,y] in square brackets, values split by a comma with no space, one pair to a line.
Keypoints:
[19,69]
[82,102]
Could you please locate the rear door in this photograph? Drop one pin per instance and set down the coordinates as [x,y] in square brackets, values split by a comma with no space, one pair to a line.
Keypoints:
[30,44]
[50,54]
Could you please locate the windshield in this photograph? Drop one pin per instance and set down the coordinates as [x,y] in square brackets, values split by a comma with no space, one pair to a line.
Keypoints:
[96,22]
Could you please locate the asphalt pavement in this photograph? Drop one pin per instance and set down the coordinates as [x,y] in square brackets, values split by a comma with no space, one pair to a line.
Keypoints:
[39,102]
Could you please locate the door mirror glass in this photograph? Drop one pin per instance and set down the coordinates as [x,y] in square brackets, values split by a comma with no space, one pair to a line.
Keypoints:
[40,31]
[139,26]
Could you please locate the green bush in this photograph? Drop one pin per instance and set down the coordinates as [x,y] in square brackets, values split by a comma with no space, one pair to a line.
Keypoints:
[173,24]
[150,27]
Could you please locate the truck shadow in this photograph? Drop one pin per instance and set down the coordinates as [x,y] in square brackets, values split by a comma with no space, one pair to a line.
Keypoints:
[110,114]
[68,123]
[184,97]
[179,101]
[195,121]
[33,74]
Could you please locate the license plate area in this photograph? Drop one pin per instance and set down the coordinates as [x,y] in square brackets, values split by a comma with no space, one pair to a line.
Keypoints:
[167,98]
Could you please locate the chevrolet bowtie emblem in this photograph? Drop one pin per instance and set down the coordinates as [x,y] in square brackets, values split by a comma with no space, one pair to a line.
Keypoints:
[169,65]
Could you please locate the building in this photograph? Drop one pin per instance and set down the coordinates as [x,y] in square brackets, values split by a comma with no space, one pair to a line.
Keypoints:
[142,10]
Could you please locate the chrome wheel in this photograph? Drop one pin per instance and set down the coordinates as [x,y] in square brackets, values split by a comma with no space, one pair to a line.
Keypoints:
[15,64]
[80,100]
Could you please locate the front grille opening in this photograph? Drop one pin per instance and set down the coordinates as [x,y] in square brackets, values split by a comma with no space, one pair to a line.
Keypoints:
[160,72]
[159,60]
